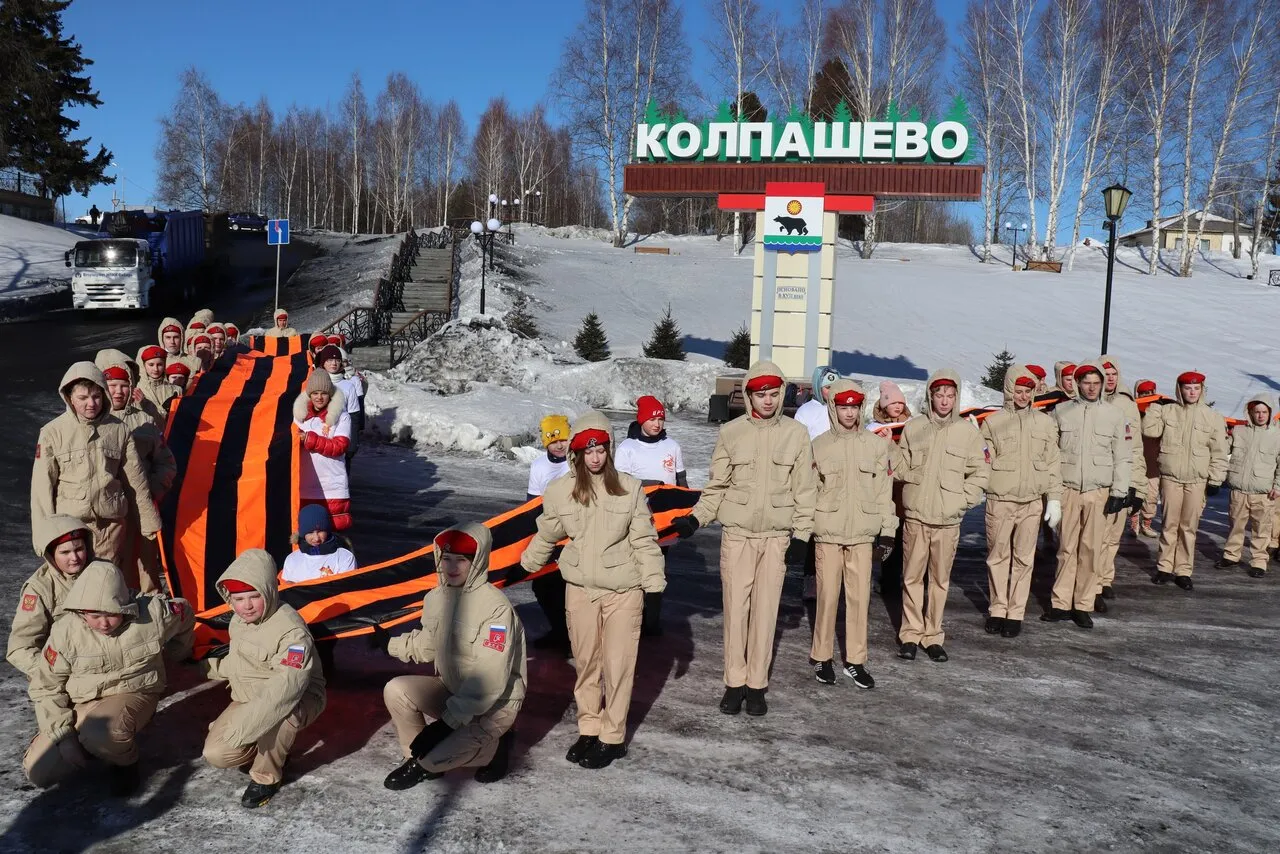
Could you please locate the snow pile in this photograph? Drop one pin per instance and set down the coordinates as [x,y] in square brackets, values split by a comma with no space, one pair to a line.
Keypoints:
[341,278]
[31,258]
[576,232]
[474,349]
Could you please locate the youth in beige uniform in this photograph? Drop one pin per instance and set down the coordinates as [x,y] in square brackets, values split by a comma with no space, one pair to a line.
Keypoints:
[158,390]
[277,685]
[171,336]
[44,595]
[1096,464]
[1115,392]
[1253,474]
[610,566]
[944,472]
[87,465]
[1193,463]
[1064,373]
[761,488]
[854,510]
[101,675]
[281,327]
[1025,478]
[471,633]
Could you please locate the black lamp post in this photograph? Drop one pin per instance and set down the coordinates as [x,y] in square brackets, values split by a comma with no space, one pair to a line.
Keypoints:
[1115,199]
[484,233]
[1008,226]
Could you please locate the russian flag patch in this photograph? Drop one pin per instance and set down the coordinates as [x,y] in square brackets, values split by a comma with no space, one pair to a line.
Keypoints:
[295,656]
[497,638]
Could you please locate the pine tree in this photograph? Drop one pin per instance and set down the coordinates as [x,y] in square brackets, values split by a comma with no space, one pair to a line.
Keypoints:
[997,369]
[737,353]
[665,343]
[519,319]
[41,78]
[590,343]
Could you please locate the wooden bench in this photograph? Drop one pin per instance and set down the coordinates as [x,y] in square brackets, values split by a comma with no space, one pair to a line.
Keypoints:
[653,250]
[1044,266]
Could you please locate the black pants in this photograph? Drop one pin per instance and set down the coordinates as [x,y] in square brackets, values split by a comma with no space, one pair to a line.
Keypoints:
[549,591]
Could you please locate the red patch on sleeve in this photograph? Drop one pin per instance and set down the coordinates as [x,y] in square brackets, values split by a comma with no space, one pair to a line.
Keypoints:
[37,450]
[50,655]
[295,656]
[29,601]
[177,609]
[497,638]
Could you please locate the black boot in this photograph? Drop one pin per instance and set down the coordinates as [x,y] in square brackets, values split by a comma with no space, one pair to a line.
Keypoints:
[124,780]
[994,625]
[601,755]
[907,651]
[756,706]
[407,775]
[497,767]
[731,702]
[1055,615]
[1257,572]
[1161,577]
[1100,605]
[1223,563]
[1082,619]
[1012,628]
[259,794]
[936,652]
[580,748]
[1108,593]
[1184,581]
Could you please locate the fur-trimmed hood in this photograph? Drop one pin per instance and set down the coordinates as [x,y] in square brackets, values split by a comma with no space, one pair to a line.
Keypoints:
[337,405]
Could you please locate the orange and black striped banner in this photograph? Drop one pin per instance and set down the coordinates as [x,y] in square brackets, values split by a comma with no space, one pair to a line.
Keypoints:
[273,346]
[390,593]
[237,484]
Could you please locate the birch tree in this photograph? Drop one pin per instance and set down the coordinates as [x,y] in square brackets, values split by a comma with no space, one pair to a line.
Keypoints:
[355,109]
[736,57]
[191,139]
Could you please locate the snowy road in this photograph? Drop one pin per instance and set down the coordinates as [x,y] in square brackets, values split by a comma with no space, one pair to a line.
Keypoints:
[1153,732]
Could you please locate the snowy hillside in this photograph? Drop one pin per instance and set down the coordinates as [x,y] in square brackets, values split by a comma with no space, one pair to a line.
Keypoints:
[31,258]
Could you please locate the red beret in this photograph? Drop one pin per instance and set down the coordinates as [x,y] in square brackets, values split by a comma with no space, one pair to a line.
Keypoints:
[1190,377]
[153,352]
[588,439]
[1037,370]
[171,328]
[317,340]
[850,397]
[201,339]
[115,372]
[942,382]
[231,327]
[336,340]
[1146,387]
[177,368]
[458,543]
[763,383]
[231,585]
[1108,366]
[1082,370]
[1025,382]
[77,534]
[1069,370]
[195,324]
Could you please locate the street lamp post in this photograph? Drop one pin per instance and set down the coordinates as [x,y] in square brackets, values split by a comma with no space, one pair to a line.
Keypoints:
[1008,226]
[1115,199]
[541,215]
[484,233]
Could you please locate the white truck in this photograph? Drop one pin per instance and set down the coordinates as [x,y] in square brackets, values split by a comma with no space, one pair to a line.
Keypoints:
[148,257]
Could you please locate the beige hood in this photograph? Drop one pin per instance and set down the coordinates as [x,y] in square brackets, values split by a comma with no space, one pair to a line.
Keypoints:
[46,529]
[1204,394]
[840,387]
[165,324]
[1057,372]
[117,359]
[1121,388]
[1010,383]
[943,374]
[1097,366]
[256,568]
[480,563]
[84,371]
[101,587]
[1262,397]
[763,368]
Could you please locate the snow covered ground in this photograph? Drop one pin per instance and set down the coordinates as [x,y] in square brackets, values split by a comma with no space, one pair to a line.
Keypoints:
[31,258]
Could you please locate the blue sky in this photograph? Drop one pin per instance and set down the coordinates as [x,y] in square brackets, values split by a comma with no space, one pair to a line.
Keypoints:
[305,52]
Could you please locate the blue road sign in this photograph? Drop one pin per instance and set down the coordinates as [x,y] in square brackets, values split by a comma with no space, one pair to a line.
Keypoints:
[277,232]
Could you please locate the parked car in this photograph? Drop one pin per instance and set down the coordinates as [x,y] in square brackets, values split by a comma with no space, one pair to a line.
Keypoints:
[247,222]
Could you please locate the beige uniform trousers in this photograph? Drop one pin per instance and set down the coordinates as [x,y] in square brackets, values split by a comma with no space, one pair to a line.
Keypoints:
[269,753]
[1183,503]
[604,635]
[411,700]
[1152,502]
[751,573]
[1075,581]
[835,563]
[1012,530]
[1112,529]
[926,549]
[106,728]
[139,557]
[1258,512]
[108,539]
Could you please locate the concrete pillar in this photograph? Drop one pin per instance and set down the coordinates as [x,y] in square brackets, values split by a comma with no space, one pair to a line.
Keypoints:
[792,303]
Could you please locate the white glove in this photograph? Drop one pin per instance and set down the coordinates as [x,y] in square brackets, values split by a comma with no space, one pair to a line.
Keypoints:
[1053,513]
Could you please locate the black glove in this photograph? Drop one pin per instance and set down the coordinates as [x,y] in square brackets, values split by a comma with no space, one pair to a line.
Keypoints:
[379,639]
[1212,489]
[1134,502]
[685,525]
[514,575]
[884,548]
[1114,505]
[797,551]
[651,624]
[426,741]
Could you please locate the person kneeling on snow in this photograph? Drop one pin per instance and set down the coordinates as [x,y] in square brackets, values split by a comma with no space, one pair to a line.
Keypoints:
[324,429]
[471,633]
[44,595]
[101,677]
[277,687]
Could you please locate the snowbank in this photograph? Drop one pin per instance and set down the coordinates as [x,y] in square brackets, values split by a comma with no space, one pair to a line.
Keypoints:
[31,258]
[342,277]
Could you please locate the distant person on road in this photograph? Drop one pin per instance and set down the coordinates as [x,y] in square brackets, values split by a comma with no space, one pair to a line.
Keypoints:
[324,429]
[944,471]
[1253,474]
[1193,464]
[549,589]
[281,329]
[87,465]
[611,566]
[471,633]
[1065,373]
[1142,523]
[94,213]
[43,598]
[761,488]
[153,384]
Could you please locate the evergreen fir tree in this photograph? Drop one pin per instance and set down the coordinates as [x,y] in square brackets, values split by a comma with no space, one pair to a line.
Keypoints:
[997,369]
[42,77]
[519,319]
[590,343]
[737,353]
[665,343]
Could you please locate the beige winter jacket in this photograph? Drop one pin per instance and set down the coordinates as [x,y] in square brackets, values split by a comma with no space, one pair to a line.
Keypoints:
[1123,398]
[1094,444]
[80,665]
[1023,443]
[43,597]
[271,664]
[942,465]
[761,482]
[82,468]
[1255,452]
[855,480]
[613,545]
[277,332]
[1193,440]
[141,420]
[473,636]
[159,393]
